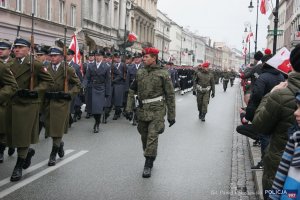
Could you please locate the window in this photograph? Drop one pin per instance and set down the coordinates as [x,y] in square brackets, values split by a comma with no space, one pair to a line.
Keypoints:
[48,11]
[19,6]
[106,17]
[116,17]
[61,11]
[3,3]
[73,15]
[34,7]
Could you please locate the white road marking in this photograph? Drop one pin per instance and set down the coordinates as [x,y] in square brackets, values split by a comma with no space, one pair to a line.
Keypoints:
[31,169]
[40,174]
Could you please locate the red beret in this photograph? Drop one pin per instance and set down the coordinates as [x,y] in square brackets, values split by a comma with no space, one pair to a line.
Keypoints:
[205,64]
[268,51]
[151,50]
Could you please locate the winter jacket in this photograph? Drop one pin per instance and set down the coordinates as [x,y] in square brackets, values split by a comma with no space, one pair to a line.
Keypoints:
[274,116]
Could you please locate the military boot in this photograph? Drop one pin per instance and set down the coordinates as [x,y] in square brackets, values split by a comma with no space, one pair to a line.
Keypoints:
[27,161]
[17,173]
[95,127]
[203,117]
[148,166]
[2,148]
[61,151]
[11,151]
[200,115]
[52,159]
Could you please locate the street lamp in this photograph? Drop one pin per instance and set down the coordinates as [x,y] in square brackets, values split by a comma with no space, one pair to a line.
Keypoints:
[275,13]
[256,27]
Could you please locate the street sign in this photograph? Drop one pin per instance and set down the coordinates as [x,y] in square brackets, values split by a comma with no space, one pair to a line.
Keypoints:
[272,32]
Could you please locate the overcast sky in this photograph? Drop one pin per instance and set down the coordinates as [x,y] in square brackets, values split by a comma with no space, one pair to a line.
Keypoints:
[221,20]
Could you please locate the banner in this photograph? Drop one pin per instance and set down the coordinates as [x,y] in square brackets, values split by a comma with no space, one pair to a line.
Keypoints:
[281,61]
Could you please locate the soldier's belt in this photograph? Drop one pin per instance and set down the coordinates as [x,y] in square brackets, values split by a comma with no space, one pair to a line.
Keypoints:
[201,89]
[145,101]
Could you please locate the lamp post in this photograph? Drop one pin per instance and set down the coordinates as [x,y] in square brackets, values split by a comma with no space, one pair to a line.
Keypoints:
[256,26]
[275,13]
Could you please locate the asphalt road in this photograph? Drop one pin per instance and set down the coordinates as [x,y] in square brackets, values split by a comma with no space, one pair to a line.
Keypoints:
[194,160]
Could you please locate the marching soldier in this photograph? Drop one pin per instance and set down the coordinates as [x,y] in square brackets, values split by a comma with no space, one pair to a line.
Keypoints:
[57,101]
[8,87]
[225,78]
[156,93]
[232,76]
[23,129]
[5,50]
[118,77]
[98,75]
[88,88]
[41,54]
[204,84]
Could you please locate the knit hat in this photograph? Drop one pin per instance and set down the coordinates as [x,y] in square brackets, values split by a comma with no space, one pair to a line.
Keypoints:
[295,58]
[258,55]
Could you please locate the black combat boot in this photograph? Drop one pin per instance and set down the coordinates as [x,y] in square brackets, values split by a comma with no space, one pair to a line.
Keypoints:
[17,173]
[148,166]
[74,117]
[203,117]
[61,151]
[2,148]
[117,114]
[52,159]
[200,115]
[95,128]
[11,151]
[27,161]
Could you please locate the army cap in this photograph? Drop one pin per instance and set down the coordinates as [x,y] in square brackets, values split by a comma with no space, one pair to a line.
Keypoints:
[99,52]
[92,53]
[107,54]
[19,41]
[41,50]
[55,50]
[5,44]
[128,55]
[70,52]
[137,55]
[117,53]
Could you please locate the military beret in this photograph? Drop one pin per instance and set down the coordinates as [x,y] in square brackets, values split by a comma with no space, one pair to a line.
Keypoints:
[40,49]
[70,52]
[151,50]
[55,51]
[205,64]
[19,41]
[5,44]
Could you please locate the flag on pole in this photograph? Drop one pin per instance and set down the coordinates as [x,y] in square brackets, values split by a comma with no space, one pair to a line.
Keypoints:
[264,6]
[132,37]
[249,36]
[75,47]
[281,61]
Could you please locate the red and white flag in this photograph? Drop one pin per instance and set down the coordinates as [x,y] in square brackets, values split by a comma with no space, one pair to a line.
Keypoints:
[249,36]
[75,47]
[264,6]
[281,61]
[132,37]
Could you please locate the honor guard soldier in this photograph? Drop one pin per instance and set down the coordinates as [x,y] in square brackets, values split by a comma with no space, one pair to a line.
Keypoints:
[5,50]
[57,101]
[118,80]
[204,84]
[33,79]
[98,75]
[8,87]
[42,54]
[156,97]
[88,87]
[76,101]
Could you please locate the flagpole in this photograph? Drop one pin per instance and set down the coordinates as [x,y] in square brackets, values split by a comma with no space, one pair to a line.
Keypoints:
[255,48]
[275,13]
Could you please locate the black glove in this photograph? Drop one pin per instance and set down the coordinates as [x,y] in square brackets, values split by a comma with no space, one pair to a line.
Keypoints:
[171,122]
[212,95]
[25,93]
[65,96]
[194,93]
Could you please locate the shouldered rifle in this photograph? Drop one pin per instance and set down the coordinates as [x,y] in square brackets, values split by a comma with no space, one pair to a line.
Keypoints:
[66,86]
[32,55]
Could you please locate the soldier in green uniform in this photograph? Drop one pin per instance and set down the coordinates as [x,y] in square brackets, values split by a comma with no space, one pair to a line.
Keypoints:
[23,113]
[5,50]
[57,101]
[156,95]
[8,87]
[204,84]
[225,78]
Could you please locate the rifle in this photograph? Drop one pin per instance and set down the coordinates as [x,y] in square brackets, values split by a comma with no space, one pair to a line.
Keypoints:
[31,56]
[19,27]
[66,85]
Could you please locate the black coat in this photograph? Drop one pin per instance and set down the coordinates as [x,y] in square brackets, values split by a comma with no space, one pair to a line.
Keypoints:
[269,78]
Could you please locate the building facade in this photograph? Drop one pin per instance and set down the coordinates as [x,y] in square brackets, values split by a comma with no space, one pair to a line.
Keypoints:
[49,23]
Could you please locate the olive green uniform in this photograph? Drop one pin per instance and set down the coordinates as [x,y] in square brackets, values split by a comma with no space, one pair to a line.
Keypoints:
[225,77]
[8,87]
[57,109]
[23,114]
[152,83]
[204,83]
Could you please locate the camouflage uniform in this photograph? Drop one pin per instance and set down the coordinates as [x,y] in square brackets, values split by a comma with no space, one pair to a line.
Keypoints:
[225,77]
[156,93]
[204,83]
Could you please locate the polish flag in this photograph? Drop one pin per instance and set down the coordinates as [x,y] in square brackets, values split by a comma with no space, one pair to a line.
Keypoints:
[249,37]
[281,61]
[264,6]
[75,47]
[132,37]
